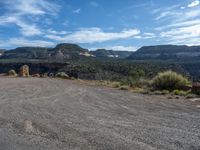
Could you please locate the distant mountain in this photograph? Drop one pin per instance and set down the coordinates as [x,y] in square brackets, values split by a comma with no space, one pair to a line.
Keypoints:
[1,52]
[60,52]
[166,52]
[68,51]
[103,53]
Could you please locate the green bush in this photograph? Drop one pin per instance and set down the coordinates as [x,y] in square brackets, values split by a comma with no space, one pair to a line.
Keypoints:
[169,80]
[181,93]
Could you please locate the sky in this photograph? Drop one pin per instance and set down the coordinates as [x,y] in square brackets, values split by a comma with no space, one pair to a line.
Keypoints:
[111,24]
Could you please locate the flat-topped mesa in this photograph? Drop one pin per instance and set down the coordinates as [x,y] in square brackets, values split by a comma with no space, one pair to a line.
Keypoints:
[167,52]
[24,71]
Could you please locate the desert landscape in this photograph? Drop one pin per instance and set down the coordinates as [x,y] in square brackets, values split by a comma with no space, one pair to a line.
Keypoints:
[55,114]
[99,74]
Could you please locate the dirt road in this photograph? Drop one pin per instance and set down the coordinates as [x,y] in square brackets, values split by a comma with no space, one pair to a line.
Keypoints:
[53,114]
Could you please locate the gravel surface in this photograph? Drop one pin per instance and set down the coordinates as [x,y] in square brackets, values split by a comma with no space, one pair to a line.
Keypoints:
[54,114]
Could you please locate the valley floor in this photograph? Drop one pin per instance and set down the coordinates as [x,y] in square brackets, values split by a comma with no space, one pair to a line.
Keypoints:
[57,114]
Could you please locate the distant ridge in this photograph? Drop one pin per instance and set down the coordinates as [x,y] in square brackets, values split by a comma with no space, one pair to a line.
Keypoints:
[166,52]
[63,51]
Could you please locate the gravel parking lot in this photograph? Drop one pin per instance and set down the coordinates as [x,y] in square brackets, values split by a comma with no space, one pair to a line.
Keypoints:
[56,114]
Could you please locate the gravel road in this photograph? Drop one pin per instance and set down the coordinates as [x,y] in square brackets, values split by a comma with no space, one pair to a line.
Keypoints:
[55,114]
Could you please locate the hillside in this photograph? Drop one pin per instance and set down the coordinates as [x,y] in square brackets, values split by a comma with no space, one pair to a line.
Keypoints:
[61,51]
[166,52]
[2,51]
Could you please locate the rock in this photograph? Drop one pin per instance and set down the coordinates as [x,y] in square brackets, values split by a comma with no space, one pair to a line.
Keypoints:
[36,75]
[12,73]
[51,75]
[44,75]
[24,71]
[62,75]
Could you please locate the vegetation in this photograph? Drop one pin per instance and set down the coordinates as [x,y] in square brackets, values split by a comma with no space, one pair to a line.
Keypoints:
[181,92]
[169,80]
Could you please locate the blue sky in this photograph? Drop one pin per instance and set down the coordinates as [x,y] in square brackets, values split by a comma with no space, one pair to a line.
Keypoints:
[110,24]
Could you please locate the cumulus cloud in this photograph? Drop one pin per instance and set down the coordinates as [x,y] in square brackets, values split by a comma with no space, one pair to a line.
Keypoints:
[194,3]
[91,35]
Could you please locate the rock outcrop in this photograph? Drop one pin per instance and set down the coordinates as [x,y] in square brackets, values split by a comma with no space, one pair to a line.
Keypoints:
[24,71]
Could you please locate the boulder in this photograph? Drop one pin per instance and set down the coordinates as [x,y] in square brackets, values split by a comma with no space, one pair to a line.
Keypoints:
[12,73]
[24,71]
[62,75]
[36,75]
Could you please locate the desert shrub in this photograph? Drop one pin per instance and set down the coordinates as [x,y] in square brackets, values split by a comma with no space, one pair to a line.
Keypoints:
[165,92]
[127,81]
[181,93]
[115,84]
[124,87]
[12,73]
[136,82]
[36,75]
[141,83]
[169,80]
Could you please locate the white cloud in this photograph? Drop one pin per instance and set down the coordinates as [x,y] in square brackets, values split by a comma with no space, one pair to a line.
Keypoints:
[91,35]
[51,31]
[123,48]
[194,3]
[28,30]
[117,48]
[25,28]
[13,42]
[77,11]
[148,35]
[165,12]
[31,7]
[18,10]
[94,4]
[187,34]
[180,25]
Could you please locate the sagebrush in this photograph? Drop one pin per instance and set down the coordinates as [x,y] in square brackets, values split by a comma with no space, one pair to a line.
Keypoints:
[169,80]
